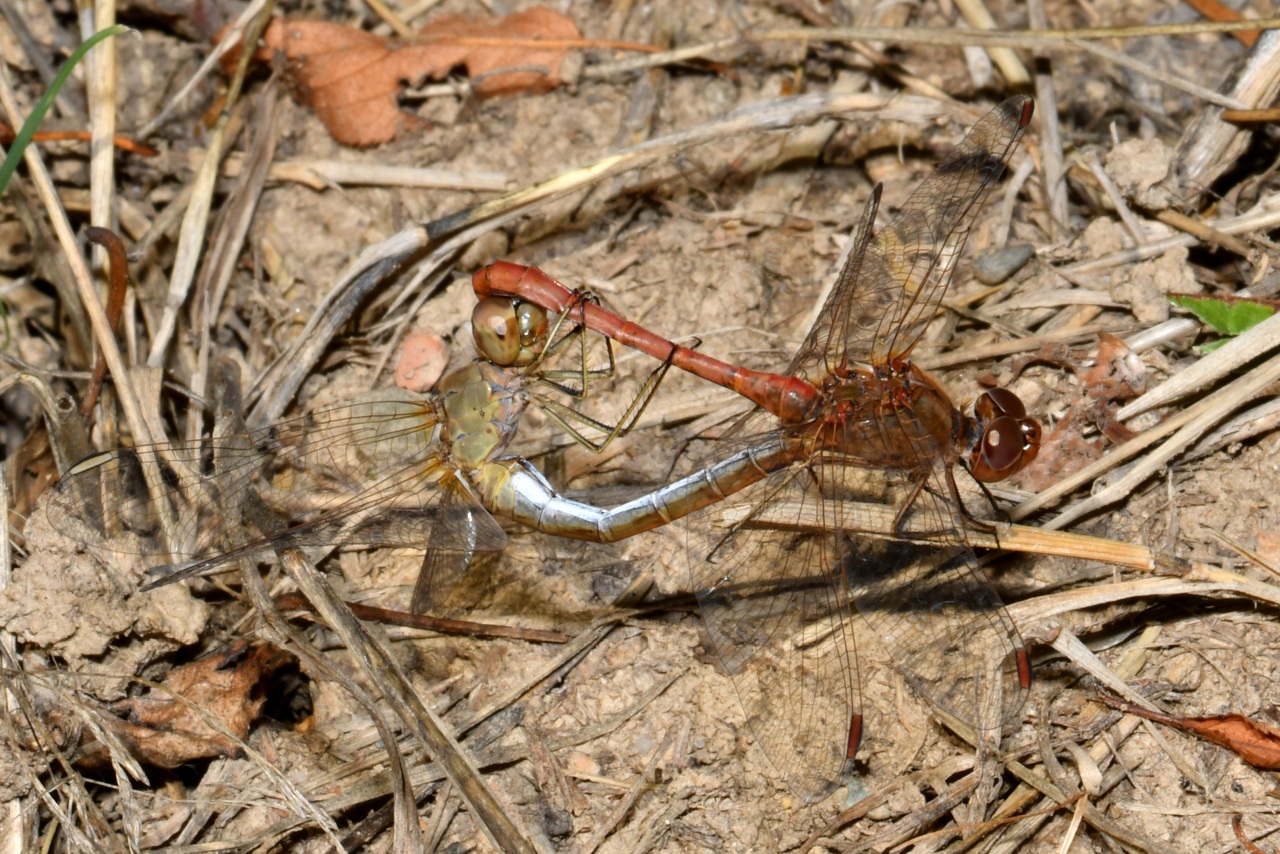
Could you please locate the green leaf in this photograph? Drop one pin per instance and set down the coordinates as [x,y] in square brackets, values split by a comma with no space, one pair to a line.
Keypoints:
[28,130]
[1227,317]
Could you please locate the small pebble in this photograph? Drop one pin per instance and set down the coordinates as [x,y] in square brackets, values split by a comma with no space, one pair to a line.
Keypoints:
[423,359]
[556,823]
[996,265]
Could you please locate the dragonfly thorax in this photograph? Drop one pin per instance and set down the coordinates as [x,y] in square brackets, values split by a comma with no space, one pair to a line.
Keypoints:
[482,405]
[893,420]
[843,386]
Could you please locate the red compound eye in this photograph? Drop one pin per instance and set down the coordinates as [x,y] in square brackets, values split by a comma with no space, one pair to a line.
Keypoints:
[1009,439]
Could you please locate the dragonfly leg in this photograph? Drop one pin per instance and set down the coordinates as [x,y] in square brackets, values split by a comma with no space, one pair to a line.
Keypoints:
[900,519]
[563,415]
[902,526]
[578,303]
[986,524]
[991,500]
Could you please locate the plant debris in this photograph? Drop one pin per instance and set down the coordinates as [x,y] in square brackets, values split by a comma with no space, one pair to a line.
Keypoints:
[172,726]
[351,77]
[1255,743]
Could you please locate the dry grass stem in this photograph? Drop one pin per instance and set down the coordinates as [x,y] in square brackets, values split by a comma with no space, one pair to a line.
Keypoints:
[1207,370]
[1209,144]
[191,237]
[321,174]
[1199,419]
[380,668]
[1046,40]
[1264,216]
[101,79]
[233,36]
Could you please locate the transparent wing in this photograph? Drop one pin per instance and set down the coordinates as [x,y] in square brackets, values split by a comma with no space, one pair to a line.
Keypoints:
[893,281]
[931,607]
[462,528]
[782,562]
[926,238]
[909,568]
[849,319]
[364,474]
[776,608]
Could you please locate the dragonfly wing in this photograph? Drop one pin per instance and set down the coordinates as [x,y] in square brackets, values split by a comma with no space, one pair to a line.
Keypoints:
[931,606]
[776,609]
[848,322]
[461,528]
[893,281]
[920,248]
[321,479]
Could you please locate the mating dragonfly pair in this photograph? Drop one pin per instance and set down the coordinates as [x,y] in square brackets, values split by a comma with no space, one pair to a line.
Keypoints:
[788,553]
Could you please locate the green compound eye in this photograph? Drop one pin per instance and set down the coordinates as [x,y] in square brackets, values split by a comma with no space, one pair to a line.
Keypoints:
[509,332]
[532,320]
[496,330]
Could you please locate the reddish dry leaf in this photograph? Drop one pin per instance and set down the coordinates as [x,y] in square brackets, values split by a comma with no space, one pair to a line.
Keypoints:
[1117,373]
[1255,743]
[499,53]
[351,77]
[166,732]
[1218,11]
[1108,376]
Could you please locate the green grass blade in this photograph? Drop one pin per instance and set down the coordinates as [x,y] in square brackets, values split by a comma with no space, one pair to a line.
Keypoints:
[28,130]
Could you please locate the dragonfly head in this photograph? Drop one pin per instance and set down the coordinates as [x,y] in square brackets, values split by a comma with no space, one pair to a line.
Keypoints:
[1005,440]
[509,332]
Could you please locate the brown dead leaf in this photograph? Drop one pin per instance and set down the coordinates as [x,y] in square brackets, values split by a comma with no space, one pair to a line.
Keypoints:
[1255,743]
[1117,373]
[1109,375]
[351,77]
[166,732]
[502,56]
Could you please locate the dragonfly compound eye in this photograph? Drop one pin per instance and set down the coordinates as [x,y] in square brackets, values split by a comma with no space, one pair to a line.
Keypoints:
[994,402]
[532,321]
[1010,440]
[1001,445]
[497,331]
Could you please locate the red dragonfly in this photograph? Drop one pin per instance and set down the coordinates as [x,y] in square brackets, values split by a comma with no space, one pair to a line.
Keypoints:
[851,418]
